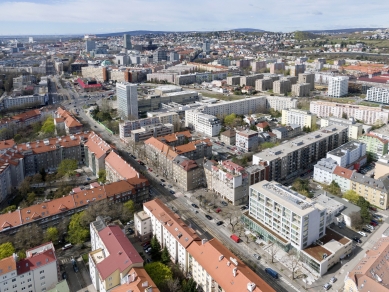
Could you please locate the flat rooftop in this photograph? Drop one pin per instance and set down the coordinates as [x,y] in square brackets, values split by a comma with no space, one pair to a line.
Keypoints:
[341,151]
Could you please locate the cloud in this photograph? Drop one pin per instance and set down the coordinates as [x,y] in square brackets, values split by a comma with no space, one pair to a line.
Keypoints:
[317,13]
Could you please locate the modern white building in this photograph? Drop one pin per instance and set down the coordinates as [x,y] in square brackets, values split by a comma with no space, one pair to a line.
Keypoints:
[38,272]
[349,154]
[378,94]
[24,101]
[366,114]
[203,123]
[298,117]
[338,86]
[240,107]
[354,128]
[323,170]
[279,103]
[247,140]
[127,99]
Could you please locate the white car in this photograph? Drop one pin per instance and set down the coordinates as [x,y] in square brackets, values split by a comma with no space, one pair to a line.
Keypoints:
[362,233]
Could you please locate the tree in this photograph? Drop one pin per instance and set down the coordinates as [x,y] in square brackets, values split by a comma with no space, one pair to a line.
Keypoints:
[25,187]
[130,206]
[8,209]
[37,178]
[173,285]
[273,250]
[51,234]
[351,196]
[30,198]
[6,250]
[295,262]
[67,167]
[356,220]
[165,256]
[23,239]
[48,126]
[159,273]
[102,174]
[333,188]
[189,285]
[233,218]
[77,233]
[155,249]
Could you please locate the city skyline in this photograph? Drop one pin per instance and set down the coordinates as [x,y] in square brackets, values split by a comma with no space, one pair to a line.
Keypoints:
[42,17]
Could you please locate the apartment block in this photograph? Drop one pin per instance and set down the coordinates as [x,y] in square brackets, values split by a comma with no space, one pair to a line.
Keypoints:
[287,132]
[377,94]
[177,138]
[351,155]
[323,170]
[338,86]
[203,123]
[277,67]
[281,86]
[382,166]
[66,121]
[298,117]
[307,78]
[279,103]
[375,146]
[297,69]
[137,280]
[288,160]
[247,140]
[342,177]
[112,256]
[228,137]
[37,272]
[239,107]
[24,101]
[95,152]
[301,89]
[354,128]
[118,169]
[366,114]
[264,84]
[243,63]
[5,180]
[227,179]
[375,191]
[126,127]
[257,66]
[250,80]
[155,130]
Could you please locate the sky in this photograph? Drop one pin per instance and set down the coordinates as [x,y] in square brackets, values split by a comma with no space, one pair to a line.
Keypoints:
[58,17]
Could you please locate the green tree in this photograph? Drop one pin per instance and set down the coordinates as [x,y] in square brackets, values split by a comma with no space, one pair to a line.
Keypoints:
[159,273]
[67,167]
[48,126]
[77,233]
[8,209]
[130,206]
[189,285]
[6,250]
[333,188]
[155,249]
[102,174]
[51,234]
[351,196]
[30,198]
[165,256]
[228,120]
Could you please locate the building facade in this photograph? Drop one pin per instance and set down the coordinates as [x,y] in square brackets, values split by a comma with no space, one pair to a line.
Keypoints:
[338,86]
[376,147]
[298,117]
[377,94]
[247,140]
[127,99]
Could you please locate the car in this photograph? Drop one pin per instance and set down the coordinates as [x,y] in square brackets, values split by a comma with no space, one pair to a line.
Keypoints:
[208,217]
[218,210]
[373,223]
[88,178]
[146,243]
[224,203]
[333,280]
[356,239]
[373,208]
[95,126]
[130,231]
[362,233]
[148,251]
[257,256]
[376,216]
[218,223]
[172,192]
[170,186]
[195,206]
[146,247]
[371,227]
[149,169]
[162,180]
[130,222]
[327,286]
[67,246]
[75,268]
[162,184]
[244,208]
[366,230]
[64,275]
[149,261]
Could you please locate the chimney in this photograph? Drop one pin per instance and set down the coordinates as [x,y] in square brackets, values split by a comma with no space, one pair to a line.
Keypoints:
[234,270]
[203,241]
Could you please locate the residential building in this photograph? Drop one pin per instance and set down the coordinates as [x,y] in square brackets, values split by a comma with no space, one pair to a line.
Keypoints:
[137,280]
[243,63]
[375,191]
[227,179]
[66,121]
[301,89]
[111,258]
[342,176]
[288,160]
[228,137]
[382,166]
[281,86]
[256,173]
[323,170]
[127,42]
[298,117]
[95,152]
[142,223]
[170,231]
[297,69]
[177,138]
[127,98]
[127,126]
[354,128]
[376,147]
[378,94]
[117,168]
[279,103]
[338,86]
[203,123]
[24,101]
[276,68]
[351,155]
[155,130]
[257,66]
[250,80]
[371,272]
[187,173]
[5,180]
[307,78]
[247,140]
[230,276]
[37,272]
[366,114]
[233,80]
[263,84]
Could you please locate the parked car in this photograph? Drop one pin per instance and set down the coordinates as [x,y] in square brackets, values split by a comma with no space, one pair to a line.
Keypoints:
[64,275]
[148,251]
[162,180]
[146,243]
[362,233]
[208,217]
[272,273]
[195,206]
[356,239]
[373,223]
[243,208]
[371,227]
[172,192]
[333,280]
[224,203]
[218,223]
[373,208]
[146,246]
[67,246]
[366,230]
[257,256]
[327,286]
[170,186]
[75,268]
[149,169]
[130,231]
[218,210]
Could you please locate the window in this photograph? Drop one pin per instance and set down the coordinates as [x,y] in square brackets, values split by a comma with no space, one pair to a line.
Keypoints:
[42,277]
[41,272]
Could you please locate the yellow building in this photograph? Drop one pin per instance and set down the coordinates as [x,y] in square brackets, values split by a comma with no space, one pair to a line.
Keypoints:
[298,117]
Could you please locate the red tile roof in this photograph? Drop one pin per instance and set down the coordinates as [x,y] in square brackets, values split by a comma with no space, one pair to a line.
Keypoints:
[117,163]
[36,261]
[97,145]
[9,220]
[343,172]
[136,278]
[5,144]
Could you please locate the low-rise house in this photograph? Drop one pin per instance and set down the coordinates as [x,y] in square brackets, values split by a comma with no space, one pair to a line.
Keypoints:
[247,140]
[228,137]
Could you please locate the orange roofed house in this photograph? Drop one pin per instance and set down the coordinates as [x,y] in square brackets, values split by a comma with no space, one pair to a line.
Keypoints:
[66,121]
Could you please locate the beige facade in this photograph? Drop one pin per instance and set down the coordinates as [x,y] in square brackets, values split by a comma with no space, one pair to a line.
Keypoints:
[301,89]
[307,78]
[298,117]
[264,84]
[281,86]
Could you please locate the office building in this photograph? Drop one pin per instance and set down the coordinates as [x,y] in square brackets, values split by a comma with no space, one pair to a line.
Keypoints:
[247,140]
[371,272]
[288,160]
[38,271]
[366,114]
[376,147]
[354,128]
[281,86]
[127,42]
[127,99]
[377,94]
[301,89]
[338,86]
[206,47]
[203,123]
[159,55]
[90,46]
[298,117]
[307,78]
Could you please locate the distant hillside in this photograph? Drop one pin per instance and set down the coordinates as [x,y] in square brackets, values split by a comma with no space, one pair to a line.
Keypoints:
[304,35]
[247,30]
[133,32]
[344,30]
